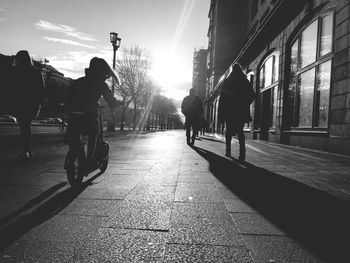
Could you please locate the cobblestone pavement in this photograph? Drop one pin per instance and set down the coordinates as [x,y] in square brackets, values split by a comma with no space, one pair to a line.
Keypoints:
[163,201]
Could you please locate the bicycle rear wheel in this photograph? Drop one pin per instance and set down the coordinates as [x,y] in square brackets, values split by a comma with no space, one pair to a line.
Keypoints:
[104,152]
[75,168]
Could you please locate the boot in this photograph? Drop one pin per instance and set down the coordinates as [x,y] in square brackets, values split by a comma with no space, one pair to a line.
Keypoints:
[241,156]
[228,152]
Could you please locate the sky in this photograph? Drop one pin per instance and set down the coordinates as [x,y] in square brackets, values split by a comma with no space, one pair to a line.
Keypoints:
[70,32]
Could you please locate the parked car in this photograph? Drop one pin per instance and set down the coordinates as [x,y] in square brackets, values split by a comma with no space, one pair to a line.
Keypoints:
[58,120]
[7,118]
[51,120]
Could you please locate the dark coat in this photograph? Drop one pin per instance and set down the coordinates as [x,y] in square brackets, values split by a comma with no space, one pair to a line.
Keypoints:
[85,93]
[29,91]
[192,108]
[235,98]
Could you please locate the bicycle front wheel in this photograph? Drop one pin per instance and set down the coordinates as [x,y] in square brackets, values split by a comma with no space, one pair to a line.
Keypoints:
[74,168]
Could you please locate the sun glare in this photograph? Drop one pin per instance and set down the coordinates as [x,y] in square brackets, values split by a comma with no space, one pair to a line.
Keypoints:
[168,72]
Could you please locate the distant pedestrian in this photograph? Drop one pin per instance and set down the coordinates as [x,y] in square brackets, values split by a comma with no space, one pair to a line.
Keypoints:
[192,108]
[30,95]
[204,126]
[234,107]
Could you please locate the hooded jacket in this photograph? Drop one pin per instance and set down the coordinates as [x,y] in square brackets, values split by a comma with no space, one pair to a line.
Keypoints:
[235,98]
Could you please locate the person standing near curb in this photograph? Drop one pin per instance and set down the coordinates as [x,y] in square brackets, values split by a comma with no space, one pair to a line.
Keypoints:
[234,107]
[29,89]
[192,108]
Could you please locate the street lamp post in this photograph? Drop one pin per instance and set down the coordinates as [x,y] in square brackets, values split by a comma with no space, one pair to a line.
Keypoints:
[115,40]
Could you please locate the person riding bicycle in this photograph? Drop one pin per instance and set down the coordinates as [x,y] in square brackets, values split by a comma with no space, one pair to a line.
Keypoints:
[83,97]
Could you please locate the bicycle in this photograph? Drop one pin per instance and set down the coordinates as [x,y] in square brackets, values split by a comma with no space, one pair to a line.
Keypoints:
[76,163]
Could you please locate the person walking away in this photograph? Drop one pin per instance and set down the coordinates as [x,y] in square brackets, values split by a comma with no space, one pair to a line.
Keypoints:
[192,108]
[83,96]
[234,108]
[30,89]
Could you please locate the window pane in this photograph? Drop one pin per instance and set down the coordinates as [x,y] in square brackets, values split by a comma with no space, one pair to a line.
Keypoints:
[308,45]
[294,57]
[292,111]
[326,34]
[322,98]
[274,106]
[268,72]
[306,88]
[261,77]
[275,68]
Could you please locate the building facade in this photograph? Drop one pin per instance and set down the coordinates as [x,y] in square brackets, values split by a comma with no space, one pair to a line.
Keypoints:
[297,56]
[199,75]
[224,42]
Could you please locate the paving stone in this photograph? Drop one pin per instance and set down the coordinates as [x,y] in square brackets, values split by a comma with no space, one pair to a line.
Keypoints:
[159,180]
[120,245]
[153,190]
[121,181]
[189,192]
[142,213]
[256,224]
[226,193]
[104,193]
[198,223]
[236,205]
[91,207]
[69,228]
[39,251]
[278,249]
[206,253]
[196,177]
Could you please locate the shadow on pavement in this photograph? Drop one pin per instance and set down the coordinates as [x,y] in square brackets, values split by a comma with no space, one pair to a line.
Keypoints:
[32,203]
[212,139]
[316,220]
[16,229]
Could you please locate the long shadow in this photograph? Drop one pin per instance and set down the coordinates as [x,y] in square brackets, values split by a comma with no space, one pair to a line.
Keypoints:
[50,208]
[212,139]
[316,220]
[32,203]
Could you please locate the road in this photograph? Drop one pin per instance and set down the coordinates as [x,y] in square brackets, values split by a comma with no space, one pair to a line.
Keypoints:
[13,129]
[163,201]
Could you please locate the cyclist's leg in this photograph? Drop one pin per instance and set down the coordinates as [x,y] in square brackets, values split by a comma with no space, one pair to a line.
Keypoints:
[92,130]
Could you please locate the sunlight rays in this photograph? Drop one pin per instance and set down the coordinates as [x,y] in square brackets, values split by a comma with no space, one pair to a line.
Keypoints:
[185,14]
[169,70]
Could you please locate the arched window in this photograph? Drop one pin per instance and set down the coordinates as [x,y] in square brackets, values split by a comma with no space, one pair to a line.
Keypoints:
[268,88]
[310,74]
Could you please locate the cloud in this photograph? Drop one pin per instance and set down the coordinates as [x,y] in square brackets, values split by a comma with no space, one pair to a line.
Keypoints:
[64,29]
[72,64]
[68,42]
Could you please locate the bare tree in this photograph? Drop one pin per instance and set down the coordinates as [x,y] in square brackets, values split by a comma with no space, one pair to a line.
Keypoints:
[145,104]
[133,67]
[123,91]
[165,113]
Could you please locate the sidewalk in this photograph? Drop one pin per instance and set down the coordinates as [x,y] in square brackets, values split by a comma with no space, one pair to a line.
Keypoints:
[327,172]
[163,201]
